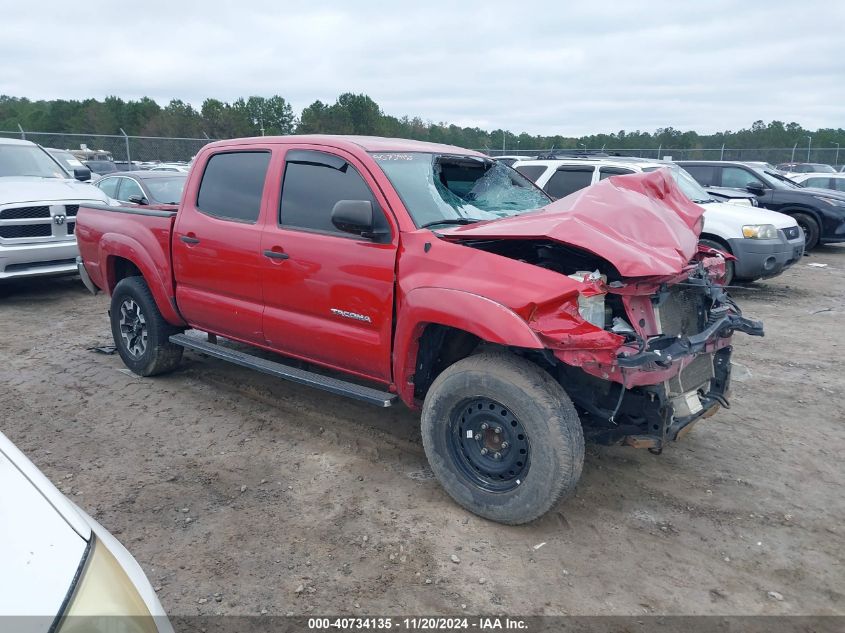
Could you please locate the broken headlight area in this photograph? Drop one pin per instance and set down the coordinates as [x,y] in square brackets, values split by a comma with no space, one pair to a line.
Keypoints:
[650,416]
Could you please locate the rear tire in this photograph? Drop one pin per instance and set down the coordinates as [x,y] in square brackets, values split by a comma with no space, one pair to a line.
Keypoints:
[502,437]
[810,227]
[729,265]
[141,334]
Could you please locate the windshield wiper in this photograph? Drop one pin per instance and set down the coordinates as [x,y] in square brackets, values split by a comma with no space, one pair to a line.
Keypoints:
[460,221]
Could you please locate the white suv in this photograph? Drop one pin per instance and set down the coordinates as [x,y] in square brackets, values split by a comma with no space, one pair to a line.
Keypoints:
[764,243]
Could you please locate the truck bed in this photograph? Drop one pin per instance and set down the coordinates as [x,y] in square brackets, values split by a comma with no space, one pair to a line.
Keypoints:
[107,235]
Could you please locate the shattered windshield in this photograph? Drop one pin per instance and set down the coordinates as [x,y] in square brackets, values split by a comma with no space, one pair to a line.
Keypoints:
[448,189]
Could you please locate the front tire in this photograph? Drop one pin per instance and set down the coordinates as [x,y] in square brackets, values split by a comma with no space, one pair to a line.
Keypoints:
[810,227]
[141,334]
[502,437]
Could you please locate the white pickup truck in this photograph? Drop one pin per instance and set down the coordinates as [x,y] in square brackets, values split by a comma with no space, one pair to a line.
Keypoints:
[38,204]
[763,243]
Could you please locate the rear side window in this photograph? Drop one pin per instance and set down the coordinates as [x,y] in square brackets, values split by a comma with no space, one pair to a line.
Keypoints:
[314,182]
[704,174]
[532,172]
[232,185]
[568,180]
[824,183]
[840,183]
[607,172]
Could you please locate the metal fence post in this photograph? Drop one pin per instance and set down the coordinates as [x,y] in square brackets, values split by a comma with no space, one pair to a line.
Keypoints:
[23,134]
[722,154]
[126,140]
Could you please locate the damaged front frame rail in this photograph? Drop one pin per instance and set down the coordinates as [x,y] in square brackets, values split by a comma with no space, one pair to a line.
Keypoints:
[649,416]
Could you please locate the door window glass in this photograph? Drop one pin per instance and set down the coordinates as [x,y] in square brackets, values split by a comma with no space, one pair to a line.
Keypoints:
[232,185]
[739,178]
[109,186]
[568,180]
[532,172]
[313,183]
[128,188]
[607,172]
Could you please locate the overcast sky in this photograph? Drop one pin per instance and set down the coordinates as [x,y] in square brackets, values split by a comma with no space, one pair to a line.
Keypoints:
[540,67]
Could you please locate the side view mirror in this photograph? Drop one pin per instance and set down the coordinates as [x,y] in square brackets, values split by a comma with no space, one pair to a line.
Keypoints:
[354,216]
[756,188]
[137,200]
[82,173]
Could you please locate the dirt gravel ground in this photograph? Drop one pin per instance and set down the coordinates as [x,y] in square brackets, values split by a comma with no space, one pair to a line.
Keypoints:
[240,494]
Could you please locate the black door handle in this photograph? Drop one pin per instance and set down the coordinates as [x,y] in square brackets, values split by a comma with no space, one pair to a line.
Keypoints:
[276,255]
[189,240]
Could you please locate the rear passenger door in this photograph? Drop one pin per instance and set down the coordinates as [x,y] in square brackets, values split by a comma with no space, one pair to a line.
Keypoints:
[328,294]
[569,179]
[705,175]
[216,245]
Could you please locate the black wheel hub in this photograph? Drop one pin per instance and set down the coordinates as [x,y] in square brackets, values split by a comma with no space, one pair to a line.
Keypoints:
[489,444]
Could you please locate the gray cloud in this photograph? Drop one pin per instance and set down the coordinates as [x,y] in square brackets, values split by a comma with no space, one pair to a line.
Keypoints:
[542,67]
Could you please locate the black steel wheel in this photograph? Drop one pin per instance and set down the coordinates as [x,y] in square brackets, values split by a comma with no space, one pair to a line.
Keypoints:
[502,437]
[489,444]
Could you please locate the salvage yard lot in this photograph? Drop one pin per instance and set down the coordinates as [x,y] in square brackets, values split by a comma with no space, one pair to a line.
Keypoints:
[240,494]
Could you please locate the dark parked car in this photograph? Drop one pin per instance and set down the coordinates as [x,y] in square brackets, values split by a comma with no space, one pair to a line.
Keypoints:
[819,212]
[154,189]
[100,167]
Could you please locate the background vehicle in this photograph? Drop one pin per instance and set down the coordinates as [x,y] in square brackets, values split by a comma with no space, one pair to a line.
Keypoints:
[764,243]
[153,189]
[802,168]
[510,160]
[821,181]
[59,562]
[181,167]
[68,161]
[819,212]
[100,167]
[38,205]
[415,267]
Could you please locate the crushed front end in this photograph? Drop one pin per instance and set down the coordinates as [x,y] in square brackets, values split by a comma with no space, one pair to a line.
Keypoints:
[656,359]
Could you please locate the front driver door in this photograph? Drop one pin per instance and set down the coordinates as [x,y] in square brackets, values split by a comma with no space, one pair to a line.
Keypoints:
[328,295]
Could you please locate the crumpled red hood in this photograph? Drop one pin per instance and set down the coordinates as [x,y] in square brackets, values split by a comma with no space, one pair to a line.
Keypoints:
[641,223]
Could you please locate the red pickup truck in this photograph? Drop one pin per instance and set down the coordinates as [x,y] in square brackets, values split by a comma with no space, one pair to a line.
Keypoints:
[434,275]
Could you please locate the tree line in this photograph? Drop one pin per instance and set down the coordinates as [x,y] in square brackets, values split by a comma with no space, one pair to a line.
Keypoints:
[357,114]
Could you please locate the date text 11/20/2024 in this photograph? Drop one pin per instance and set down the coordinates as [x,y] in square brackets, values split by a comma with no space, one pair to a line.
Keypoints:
[417,624]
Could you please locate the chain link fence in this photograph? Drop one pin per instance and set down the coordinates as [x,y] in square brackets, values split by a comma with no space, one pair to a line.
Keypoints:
[165,149]
[773,155]
[121,147]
